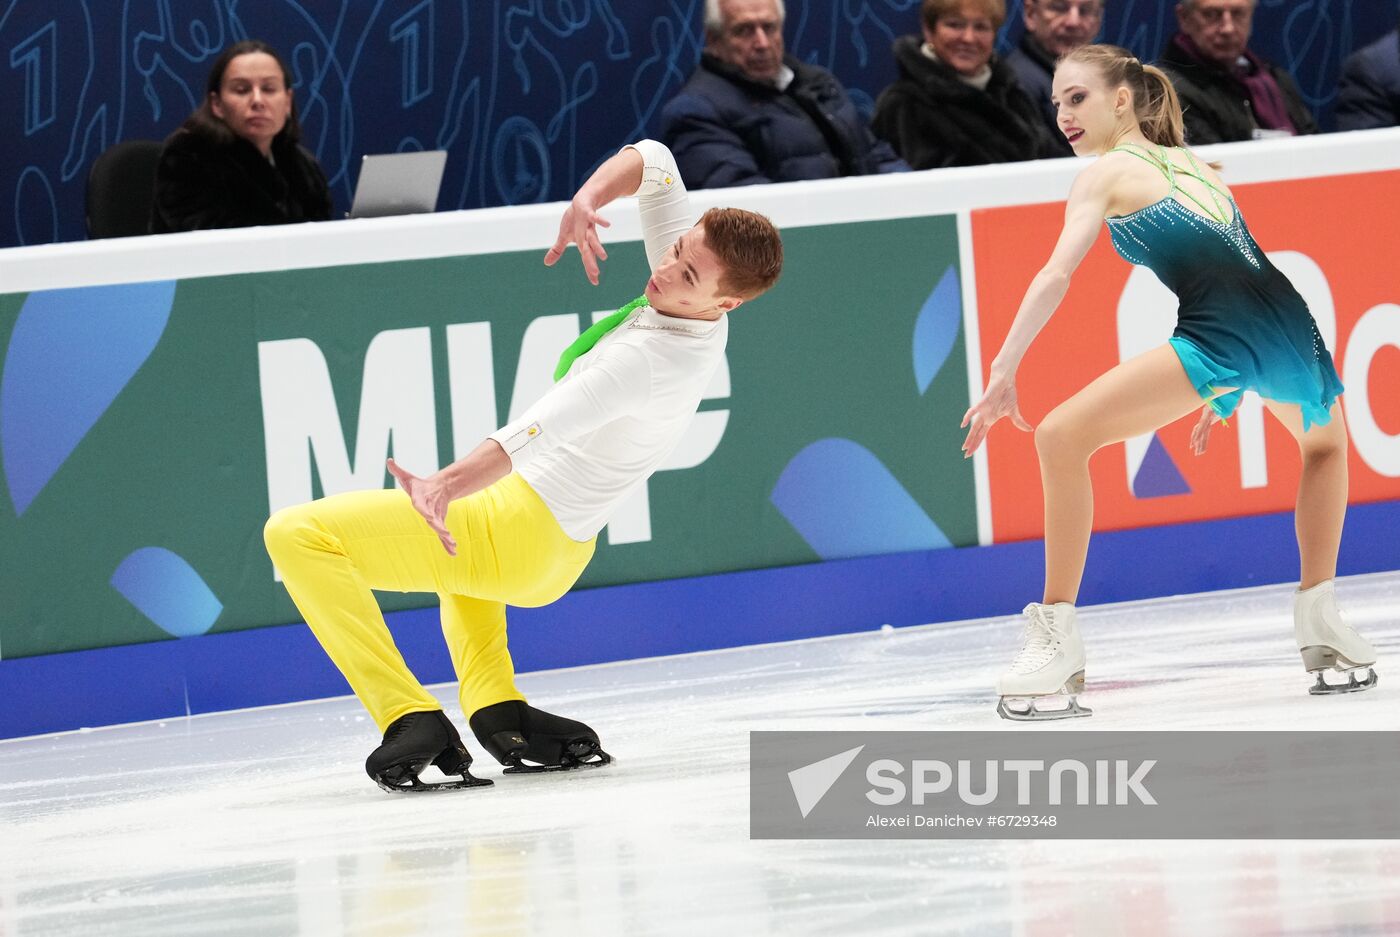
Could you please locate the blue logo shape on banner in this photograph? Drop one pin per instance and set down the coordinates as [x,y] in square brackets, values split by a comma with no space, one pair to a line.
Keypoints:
[936,329]
[72,352]
[168,591]
[1158,475]
[845,502]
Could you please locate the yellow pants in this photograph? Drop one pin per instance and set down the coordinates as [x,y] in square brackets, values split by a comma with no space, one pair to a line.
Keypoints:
[510,550]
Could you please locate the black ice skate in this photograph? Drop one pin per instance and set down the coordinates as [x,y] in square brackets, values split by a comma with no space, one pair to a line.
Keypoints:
[528,740]
[411,743]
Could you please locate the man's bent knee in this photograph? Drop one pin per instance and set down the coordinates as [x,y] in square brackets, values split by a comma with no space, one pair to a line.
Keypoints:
[285,530]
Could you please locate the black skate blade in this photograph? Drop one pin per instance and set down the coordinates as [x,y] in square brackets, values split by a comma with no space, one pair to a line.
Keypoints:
[1353,685]
[591,757]
[432,787]
[408,782]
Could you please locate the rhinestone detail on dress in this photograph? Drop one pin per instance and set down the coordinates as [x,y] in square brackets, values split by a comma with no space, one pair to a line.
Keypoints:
[1164,212]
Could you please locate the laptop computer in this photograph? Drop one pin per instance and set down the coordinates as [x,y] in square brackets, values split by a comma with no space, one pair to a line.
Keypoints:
[398,184]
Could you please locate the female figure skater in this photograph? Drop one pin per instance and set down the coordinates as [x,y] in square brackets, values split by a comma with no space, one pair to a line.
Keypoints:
[1241,326]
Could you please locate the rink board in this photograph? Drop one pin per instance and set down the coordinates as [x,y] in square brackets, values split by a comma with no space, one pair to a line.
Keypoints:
[209,403]
[266,666]
[161,395]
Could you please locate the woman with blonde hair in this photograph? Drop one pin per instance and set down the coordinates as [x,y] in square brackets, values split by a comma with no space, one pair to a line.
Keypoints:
[1241,326]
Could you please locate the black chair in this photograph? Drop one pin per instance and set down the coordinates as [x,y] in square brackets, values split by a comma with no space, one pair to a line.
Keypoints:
[120,189]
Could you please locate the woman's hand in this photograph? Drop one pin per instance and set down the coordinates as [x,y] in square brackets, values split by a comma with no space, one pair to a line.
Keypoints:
[580,226]
[1088,203]
[998,401]
[430,498]
[1201,434]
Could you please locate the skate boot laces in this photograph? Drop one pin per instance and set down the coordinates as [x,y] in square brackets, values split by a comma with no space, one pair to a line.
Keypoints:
[1041,640]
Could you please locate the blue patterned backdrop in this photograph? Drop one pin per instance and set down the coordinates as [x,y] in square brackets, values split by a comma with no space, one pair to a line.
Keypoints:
[527,95]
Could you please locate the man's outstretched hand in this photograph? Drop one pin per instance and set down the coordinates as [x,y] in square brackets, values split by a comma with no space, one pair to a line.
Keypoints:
[430,499]
[580,226]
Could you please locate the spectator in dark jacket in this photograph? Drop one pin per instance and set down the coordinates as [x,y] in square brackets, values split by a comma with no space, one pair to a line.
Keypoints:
[235,162]
[1228,92]
[954,103]
[1053,28]
[1369,93]
[752,114]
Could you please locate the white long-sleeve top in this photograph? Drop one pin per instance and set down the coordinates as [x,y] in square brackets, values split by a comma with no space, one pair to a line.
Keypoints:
[625,404]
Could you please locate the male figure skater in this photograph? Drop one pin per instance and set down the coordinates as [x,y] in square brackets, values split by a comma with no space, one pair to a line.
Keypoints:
[515,520]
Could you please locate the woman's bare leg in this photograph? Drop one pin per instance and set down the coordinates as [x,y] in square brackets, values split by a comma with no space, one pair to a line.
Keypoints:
[1136,397]
[1322,491]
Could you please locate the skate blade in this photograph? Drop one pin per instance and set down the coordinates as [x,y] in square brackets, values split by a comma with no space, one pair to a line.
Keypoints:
[594,757]
[416,786]
[1023,708]
[1353,685]
[1020,709]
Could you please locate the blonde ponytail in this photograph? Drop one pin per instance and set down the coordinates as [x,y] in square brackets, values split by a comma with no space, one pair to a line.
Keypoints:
[1158,108]
[1155,104]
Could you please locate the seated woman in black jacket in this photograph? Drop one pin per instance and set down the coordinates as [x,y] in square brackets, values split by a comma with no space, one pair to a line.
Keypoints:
[954,104]
[235,162]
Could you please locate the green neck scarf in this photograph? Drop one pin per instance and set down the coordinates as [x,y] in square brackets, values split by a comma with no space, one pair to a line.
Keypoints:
[590,337]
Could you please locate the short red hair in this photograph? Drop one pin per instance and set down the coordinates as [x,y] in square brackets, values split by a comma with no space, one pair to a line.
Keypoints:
[748,247]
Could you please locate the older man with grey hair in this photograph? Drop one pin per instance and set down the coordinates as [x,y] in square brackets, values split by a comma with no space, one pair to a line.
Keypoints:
[751,113]
[1228,92]
[1053,28]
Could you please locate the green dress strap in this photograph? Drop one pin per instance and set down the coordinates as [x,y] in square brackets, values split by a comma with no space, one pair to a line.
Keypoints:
[1147,156]
[1216,193]
[1169,171]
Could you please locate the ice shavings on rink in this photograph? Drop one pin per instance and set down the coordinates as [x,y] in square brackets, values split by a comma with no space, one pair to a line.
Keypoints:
[263,822]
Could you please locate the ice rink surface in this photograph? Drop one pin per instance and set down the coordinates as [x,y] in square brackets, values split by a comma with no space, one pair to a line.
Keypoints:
[264,823]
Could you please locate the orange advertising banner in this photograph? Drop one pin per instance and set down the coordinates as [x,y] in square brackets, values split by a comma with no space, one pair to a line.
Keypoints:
[1335,237]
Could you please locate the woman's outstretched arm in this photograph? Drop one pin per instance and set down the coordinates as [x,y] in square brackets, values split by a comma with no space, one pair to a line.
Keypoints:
[1084,213]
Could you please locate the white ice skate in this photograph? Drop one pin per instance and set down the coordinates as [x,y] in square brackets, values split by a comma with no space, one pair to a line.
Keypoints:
[1329,643]
[1050,665]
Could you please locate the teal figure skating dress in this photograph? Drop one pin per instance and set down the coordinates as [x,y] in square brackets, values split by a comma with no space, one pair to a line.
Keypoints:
[1241,323]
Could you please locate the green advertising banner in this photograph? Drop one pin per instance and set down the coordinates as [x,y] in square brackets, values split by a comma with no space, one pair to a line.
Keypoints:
[147,430]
